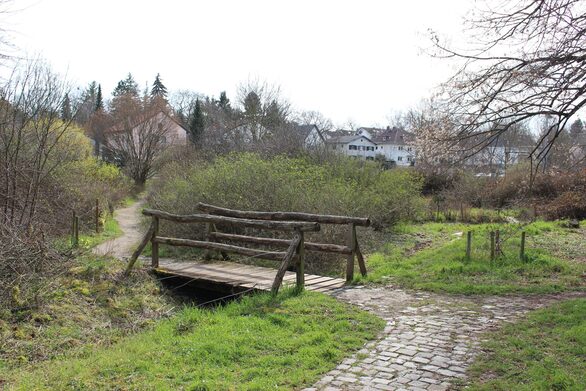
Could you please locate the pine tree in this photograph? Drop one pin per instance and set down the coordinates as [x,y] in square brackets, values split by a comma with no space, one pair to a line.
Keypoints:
[127,86]
[66,108]
[197,123]
[224,102]
[99,99]
[159,89]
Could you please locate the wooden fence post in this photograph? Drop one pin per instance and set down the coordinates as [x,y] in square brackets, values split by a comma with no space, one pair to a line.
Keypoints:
[97,216]
[155,245]
[468,244]
[352,245]
[497,243]
[300,277]
[492,245]
[522,251]
[359,255]
[76,231]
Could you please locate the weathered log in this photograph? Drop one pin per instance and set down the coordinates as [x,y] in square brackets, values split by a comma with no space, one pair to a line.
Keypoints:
[272,255]
[283,216]
[322,247]
[205,218]
[285,264]
[145,240]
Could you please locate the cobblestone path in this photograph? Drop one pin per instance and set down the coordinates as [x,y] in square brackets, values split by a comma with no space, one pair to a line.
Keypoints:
[429,340]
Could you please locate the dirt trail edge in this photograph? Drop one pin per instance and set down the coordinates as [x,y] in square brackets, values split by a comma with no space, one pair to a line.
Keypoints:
[129,221]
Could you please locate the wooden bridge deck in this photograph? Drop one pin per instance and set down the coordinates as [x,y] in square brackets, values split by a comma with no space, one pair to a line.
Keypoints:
[243,276]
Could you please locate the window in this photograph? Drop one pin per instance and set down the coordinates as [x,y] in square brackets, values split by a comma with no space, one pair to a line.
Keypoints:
[400,158]
[409,149]
[352,147]
[408,159]
[369,158]
[400,148]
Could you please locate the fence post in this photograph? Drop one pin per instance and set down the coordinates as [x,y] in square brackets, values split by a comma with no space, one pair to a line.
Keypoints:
[76,231]
[352,245]
[492,245]
[154,245]
[300,261]
[97,216]
[497,242]
[468,245]
[522,251]
[462,211]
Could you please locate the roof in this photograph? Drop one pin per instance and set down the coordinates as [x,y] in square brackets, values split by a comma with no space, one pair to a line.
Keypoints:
[141,118]
[305,130]
[394,135]
[346,139]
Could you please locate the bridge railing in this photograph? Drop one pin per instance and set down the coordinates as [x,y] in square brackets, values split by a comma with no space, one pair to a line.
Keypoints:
[294,222]
[351,248]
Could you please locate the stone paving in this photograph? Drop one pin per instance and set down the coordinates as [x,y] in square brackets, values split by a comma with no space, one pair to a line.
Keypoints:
[429,340]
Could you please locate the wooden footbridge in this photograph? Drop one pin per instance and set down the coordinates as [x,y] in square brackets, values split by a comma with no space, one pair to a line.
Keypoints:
[240,276]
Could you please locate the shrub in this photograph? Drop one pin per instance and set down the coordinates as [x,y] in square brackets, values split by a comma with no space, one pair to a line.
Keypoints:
[247,181]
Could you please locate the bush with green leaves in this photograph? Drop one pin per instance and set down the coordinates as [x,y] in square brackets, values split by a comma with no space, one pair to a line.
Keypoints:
[247,181]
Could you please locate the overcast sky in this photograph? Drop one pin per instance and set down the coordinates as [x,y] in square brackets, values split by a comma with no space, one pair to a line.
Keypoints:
[351,60]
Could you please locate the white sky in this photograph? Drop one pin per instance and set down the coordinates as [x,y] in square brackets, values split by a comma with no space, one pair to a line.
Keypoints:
[351,60]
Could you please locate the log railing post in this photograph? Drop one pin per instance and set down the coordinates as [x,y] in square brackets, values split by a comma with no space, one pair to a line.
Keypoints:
[352,245]
[300,277]
[155,245]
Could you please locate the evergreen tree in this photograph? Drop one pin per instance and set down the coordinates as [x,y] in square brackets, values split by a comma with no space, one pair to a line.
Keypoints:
[159,89]
[224,102]
[99,99]
[127,86]
[197,123]
[66,108]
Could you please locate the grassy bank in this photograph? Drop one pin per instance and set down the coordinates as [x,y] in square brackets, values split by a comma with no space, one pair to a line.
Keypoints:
[86,307]
[547,351]
[258,343]
[432,257]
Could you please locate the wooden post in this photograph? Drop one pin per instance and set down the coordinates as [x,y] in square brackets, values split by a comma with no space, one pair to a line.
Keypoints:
[352,245]
[522,251]
[497,243]
[462,211]
[155,245]
[492,245]
[97,216]
[76,237]
[73,229]
[300,277]
[468,245]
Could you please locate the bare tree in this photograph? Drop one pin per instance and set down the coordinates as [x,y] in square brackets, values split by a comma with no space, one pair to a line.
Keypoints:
[33,138]
[528,60]
[138,140]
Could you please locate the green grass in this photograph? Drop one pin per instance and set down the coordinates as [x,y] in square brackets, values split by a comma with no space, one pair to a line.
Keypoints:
[547,351]
[86,307]
[257,343]
[441,264]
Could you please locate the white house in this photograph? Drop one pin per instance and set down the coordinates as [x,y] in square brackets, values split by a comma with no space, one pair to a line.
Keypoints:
[357,146]
[310,135]
[391,145]
[394,144]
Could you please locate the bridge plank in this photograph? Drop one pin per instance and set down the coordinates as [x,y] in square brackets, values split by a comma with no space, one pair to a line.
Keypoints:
[244,276]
